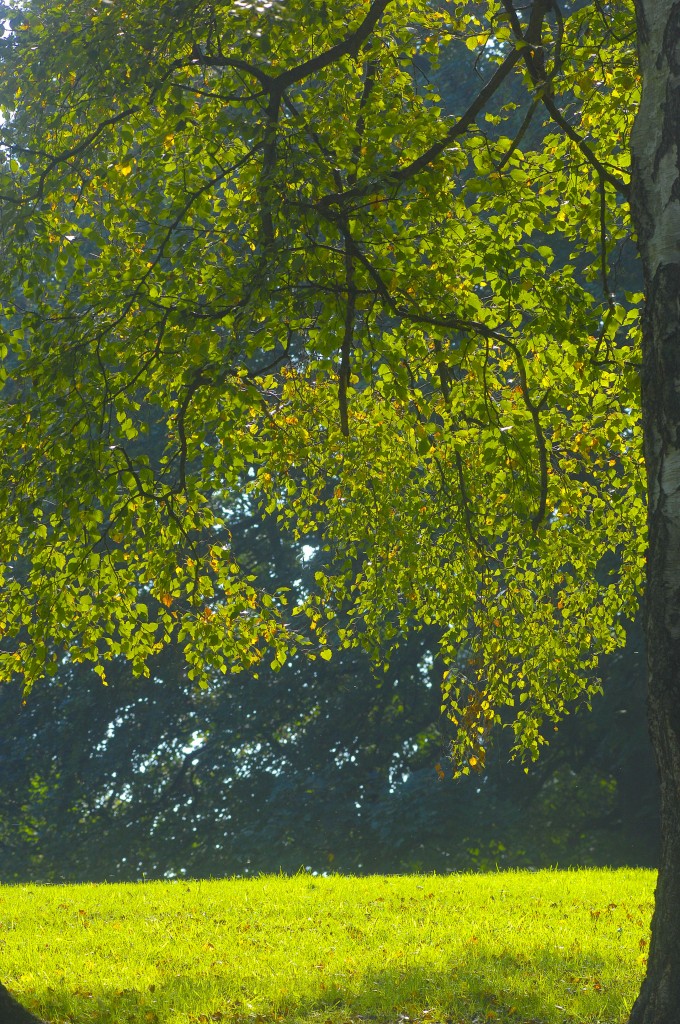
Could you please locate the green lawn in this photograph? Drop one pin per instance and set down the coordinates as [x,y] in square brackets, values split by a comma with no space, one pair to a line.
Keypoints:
[545,947]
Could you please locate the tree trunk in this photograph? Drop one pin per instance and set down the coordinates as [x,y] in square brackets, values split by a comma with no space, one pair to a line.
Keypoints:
[656,212]
[12,1012]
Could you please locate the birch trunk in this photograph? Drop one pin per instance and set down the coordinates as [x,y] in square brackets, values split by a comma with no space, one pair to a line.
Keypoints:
[656,213]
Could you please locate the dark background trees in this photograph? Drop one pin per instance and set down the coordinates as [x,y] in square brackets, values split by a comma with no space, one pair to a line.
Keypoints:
[332,766]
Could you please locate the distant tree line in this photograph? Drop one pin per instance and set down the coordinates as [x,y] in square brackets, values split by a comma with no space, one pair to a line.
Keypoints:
[332,766]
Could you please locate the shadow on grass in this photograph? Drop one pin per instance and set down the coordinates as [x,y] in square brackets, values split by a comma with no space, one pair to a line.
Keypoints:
[479,989]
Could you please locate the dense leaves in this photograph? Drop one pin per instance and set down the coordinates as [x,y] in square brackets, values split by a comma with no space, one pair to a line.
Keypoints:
[261,238]
[331,767]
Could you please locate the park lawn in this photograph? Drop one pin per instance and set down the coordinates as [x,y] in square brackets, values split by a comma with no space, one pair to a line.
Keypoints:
[547,946]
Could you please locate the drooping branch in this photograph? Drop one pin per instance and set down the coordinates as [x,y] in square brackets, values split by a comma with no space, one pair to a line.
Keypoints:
[532,52]
[535,412]
[269,157]
[604,275]
[348,333]
[523,128]
[372,185]
[462,124]
[369,82]
[351,45]
[220,61]
[68,154]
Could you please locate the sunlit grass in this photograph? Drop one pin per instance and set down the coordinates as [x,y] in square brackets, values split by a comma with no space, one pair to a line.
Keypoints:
[544,947]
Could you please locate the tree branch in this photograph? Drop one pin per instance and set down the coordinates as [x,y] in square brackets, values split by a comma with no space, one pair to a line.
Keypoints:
[348,335]
[399,175]
[536,67]
[349,46]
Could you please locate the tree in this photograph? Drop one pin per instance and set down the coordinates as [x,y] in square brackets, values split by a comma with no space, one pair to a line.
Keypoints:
[655,209]
[257,235]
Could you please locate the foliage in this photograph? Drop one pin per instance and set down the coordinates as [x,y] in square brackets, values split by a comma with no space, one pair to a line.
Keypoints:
[335,766]
[258,237]
[552,946]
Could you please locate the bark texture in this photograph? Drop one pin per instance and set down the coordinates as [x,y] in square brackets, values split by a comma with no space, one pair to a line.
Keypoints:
[12,1012]
[656,212]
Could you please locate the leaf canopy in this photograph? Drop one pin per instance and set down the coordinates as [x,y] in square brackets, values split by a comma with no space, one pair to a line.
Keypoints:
[359,261]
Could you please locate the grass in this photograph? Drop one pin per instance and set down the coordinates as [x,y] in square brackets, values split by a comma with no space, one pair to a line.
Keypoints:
[542,947]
